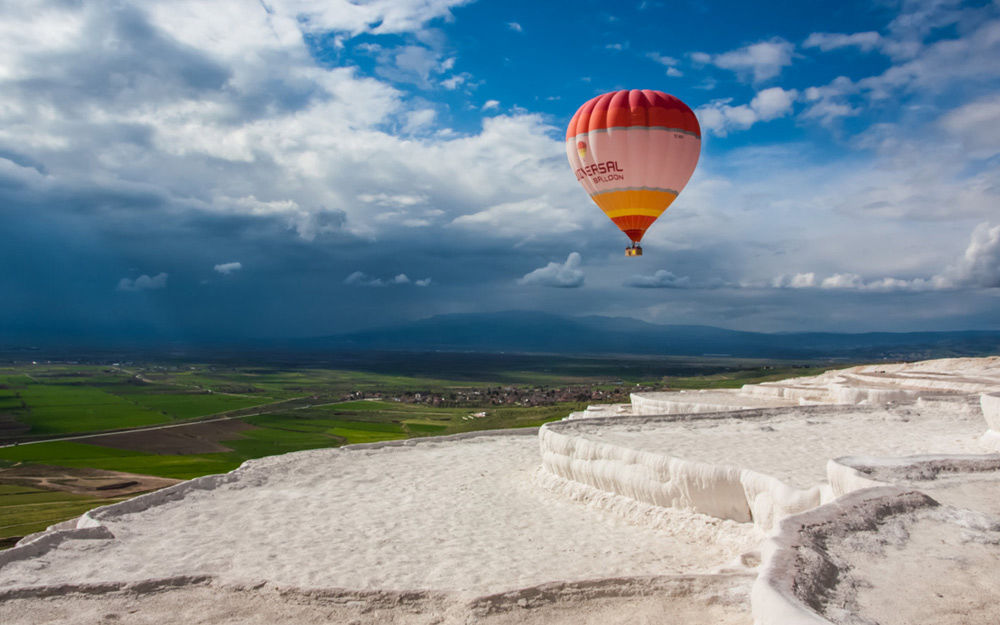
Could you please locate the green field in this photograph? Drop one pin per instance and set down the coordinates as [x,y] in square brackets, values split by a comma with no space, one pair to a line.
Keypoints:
[60,400]
[179,405]
[73,454]
[56,409]
[24,510]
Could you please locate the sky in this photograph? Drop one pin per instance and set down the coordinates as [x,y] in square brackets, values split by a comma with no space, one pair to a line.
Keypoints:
[288,168]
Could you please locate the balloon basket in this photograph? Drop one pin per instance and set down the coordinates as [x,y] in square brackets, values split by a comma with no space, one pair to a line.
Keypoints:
[635,250]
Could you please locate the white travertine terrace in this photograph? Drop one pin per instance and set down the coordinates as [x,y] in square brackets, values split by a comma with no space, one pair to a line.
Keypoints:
[459,515]
[770,465]
[759,465]
[601,410]
[990,405]
[622,504]
[696,402]
[879,384]
[921,545]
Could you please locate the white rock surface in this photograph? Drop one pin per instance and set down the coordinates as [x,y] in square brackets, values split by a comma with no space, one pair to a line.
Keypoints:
[698,402]
[458,516]
[621,519]
[757,465]
[965,481]
[883,383]
[691,599]
[601,410]
[885,555]
[990,405]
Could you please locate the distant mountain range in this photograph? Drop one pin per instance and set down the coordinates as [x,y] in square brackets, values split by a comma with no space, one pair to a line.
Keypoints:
[529,332]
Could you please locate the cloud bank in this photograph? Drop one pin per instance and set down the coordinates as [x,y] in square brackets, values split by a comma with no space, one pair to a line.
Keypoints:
[977,268]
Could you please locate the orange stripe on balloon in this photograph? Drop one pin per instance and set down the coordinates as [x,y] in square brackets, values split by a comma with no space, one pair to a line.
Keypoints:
[617,203]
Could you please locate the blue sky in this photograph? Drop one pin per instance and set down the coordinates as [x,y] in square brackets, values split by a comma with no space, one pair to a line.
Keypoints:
[244,168]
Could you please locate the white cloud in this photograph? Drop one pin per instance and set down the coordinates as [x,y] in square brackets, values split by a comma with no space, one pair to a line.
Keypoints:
[919,18]
[924,175]
[977,268]
[865,41]
[264,131]
[455,81]
[360,278]
[378,16]
[662,279]
[143,283]
[827,111]
[773,103]
[667,61]
[977,125]
[491,105]
[529,218]
[937,68]
[307,223]
[980,265]
[662,59]
[720,118]
[759,61]
[228,268]
[795,281]
[418,120]
[920,71]
[838,87]
[564,275]
[413,64]
[854,282]
[702,58]
[394,200]
[842,281]
[514,26]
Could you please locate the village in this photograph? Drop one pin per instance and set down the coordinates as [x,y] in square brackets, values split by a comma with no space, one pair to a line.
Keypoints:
[508,395]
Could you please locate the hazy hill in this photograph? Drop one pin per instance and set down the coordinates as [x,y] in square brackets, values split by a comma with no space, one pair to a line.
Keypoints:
[520,331]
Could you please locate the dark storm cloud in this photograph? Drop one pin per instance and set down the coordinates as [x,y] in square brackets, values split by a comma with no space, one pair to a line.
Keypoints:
[21,160]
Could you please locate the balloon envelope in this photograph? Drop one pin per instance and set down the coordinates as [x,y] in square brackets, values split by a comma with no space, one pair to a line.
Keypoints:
[633,151]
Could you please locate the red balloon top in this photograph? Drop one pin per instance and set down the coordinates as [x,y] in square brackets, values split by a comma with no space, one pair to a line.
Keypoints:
[636,107]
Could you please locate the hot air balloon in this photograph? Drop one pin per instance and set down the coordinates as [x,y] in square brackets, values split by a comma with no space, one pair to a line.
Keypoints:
[633,151]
